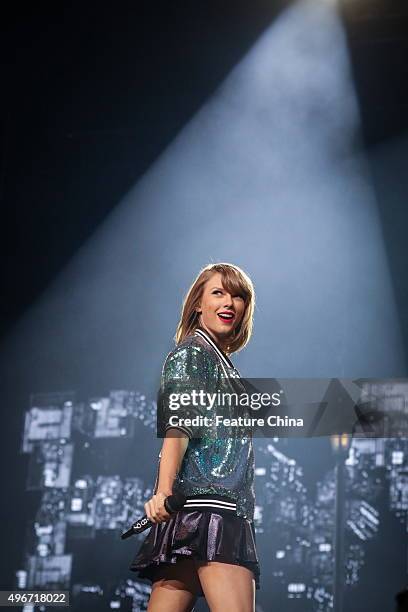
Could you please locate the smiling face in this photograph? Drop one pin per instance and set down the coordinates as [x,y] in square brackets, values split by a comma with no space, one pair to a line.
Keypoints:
[220,312]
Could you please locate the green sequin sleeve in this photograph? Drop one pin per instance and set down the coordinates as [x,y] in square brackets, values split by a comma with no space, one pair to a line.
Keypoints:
[188,374]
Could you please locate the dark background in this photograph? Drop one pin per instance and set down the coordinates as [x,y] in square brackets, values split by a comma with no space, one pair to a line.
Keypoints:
[91,95]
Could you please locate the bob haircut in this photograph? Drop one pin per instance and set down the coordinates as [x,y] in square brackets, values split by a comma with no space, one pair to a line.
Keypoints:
[236,282]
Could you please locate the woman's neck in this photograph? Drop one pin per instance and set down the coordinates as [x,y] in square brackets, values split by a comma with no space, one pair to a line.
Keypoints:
[216,340]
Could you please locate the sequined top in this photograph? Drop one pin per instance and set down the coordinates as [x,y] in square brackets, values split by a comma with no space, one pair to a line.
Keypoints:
[213,463]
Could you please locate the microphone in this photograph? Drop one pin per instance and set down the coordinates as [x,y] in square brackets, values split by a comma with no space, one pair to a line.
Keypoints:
[172,503]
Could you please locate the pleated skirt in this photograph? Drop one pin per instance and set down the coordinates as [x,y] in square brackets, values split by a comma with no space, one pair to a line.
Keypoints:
[204,534]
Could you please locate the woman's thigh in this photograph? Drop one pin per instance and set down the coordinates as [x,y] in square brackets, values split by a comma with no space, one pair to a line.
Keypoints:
[175,587]
[227,586]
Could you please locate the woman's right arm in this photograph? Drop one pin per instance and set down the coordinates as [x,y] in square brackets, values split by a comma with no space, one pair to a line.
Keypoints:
[184,370]
[174,446]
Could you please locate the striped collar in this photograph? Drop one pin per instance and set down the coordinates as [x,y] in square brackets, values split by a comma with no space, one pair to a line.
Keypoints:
[224,359]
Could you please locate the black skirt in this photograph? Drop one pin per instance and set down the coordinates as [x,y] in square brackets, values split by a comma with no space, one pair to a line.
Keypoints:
[205,532]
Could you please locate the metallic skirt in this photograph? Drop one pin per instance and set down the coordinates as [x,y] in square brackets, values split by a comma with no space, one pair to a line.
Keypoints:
[204,535]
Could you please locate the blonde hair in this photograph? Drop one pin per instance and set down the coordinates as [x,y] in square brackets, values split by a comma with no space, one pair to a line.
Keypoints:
[236,282]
